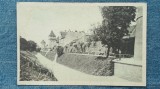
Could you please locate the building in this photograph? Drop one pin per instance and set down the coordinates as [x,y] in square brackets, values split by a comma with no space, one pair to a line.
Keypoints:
[69,36]
[52,40]
[131,68]
[128,41]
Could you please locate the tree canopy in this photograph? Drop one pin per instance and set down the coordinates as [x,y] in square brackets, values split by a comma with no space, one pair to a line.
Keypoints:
[32,45]
[116,20]
[23,44]
[27,45]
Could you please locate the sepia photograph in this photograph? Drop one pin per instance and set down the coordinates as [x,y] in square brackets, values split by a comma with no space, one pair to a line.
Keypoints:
[101,44]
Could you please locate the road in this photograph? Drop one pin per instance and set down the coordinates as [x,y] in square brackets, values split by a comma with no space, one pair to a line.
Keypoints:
[63,73]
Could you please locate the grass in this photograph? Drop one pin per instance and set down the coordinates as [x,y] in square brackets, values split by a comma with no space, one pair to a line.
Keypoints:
[32,70]
[50,55]
[99,66]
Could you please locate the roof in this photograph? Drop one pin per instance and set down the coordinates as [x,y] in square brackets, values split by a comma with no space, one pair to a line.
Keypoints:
[52,34]
[43,42]
[63,34]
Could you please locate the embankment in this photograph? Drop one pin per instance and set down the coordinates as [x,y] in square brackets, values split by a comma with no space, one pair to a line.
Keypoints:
[89,64]
[32,70]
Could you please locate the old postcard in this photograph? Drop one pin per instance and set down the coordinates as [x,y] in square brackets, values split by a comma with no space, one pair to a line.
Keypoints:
[81,44]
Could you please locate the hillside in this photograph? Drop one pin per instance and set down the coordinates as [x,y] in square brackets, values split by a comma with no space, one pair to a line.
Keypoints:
[50,55]
[32,70]
[88,64]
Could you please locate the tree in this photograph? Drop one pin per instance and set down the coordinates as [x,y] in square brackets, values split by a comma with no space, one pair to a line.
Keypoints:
[114,26]
[59,50]
[32,46]
[23,44]
[28,45]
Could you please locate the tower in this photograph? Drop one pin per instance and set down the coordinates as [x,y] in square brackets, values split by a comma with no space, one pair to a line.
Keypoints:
[52,40]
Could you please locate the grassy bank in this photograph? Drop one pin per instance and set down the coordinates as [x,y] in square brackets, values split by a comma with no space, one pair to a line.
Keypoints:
[88,64]
[32,70]
[50,55]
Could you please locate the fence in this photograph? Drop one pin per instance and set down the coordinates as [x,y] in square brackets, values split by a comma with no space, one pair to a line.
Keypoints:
[123,56]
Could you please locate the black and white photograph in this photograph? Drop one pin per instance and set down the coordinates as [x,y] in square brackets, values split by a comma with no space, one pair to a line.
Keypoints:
[100,44]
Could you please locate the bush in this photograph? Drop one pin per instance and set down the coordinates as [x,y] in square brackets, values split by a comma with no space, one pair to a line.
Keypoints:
[23,44]
[32,70]
[38,49]
[32,46]
[60,50]
[28,45]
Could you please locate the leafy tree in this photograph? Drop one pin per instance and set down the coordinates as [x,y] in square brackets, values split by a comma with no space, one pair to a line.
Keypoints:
[75,45]
[38,49]
[114,26]
[32,46]
[60,50]
[23,44]
[82,46]
[28,45]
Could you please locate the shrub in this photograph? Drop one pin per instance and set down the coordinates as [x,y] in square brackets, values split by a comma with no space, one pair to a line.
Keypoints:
[60,50]
[27,45]
[23,44]
[32,70]
[38,49]
[32,46]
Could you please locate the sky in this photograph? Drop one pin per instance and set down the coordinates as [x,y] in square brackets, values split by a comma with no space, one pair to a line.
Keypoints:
[35,22]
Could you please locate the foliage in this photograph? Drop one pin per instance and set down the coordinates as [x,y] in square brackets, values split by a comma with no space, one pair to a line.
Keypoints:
[88,44]
[38,49]
[88,64]
[23,44]
[60,50]
[89,40]
[94,36]
[82,46]
[32,46]
[28,45]
[114,26]
[32,70]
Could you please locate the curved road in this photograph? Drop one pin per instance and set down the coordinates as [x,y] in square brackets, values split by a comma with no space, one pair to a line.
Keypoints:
[63,73]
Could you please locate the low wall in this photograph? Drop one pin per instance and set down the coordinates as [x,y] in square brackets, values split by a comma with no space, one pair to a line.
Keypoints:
[128,71]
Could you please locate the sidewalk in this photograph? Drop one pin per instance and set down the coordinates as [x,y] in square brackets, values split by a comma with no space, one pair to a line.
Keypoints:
[63,73]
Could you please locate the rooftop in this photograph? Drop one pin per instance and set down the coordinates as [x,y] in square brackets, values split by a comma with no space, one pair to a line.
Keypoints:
[43,42]
[52,34]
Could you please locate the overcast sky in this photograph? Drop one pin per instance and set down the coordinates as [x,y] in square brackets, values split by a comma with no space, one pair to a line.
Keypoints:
[35,22]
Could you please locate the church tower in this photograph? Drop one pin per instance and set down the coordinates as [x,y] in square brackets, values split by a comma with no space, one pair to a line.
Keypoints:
[52,40]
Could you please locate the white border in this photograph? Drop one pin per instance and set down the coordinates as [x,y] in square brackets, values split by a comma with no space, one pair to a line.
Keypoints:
[143,83]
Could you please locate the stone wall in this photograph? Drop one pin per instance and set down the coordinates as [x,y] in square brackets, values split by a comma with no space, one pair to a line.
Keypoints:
[129,72]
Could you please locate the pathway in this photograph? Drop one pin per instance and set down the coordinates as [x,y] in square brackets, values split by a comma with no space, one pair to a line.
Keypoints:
[63,73]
